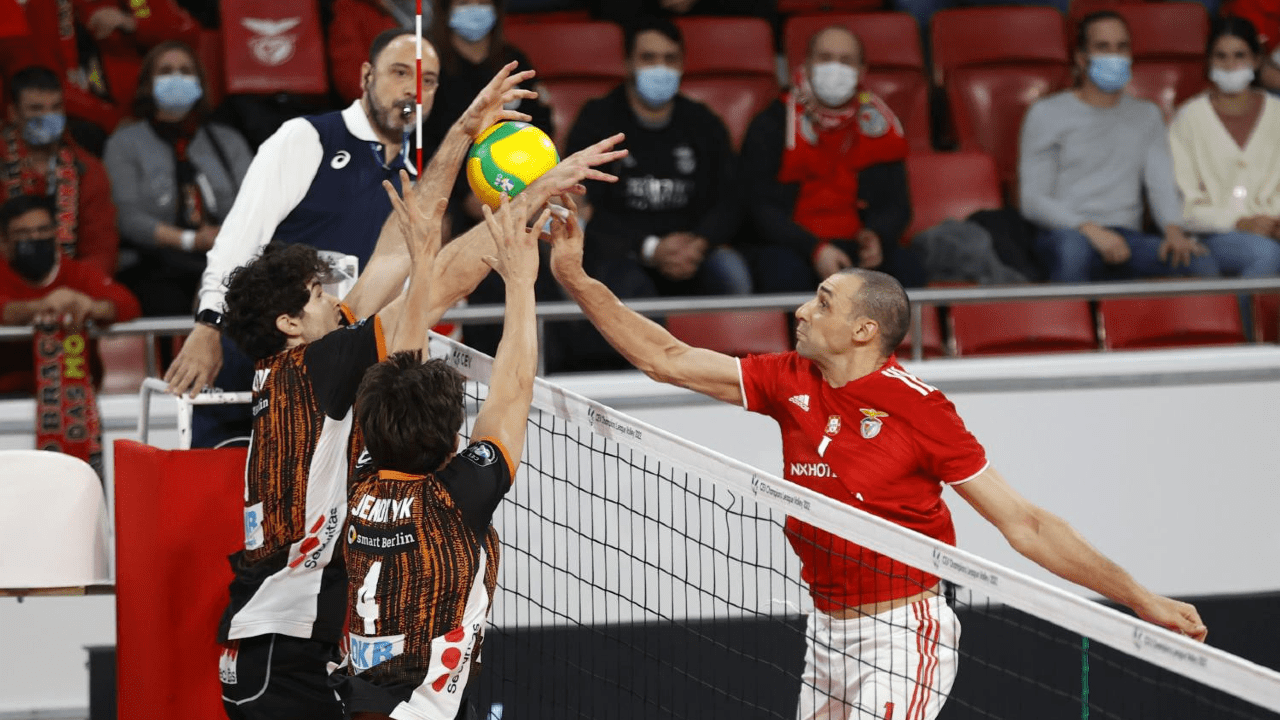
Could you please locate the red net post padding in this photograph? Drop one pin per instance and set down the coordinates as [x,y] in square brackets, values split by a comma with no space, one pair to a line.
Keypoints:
[178,516]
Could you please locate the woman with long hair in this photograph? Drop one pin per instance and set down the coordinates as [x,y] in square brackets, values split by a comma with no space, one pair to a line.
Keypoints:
[174,176]
[1226,156]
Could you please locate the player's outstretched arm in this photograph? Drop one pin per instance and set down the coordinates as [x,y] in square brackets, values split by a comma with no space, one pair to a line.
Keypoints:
[1052,543]
[506,410]
[643,342]
[382,280]
[407,319]
[461,266]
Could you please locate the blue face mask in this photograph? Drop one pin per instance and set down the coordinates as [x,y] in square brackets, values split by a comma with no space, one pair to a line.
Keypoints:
[176,93]
[44,129]
[1110,72]
[657,84]
[472,22]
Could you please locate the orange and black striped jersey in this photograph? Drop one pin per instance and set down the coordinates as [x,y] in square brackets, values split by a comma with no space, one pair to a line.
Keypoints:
[422,555]
[289,579]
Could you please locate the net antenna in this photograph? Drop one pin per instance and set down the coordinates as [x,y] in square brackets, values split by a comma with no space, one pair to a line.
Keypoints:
[639,491]
[417,131]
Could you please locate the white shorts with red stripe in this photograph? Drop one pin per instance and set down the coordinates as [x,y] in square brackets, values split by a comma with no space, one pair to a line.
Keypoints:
[898,665]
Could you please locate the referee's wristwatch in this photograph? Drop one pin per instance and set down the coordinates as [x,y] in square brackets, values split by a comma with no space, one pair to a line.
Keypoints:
[212,318]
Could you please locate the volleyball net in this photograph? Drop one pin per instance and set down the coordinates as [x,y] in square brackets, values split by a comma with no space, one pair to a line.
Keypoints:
[644,576]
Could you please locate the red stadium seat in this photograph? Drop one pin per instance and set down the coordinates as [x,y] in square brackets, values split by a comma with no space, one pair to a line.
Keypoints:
[792,7]
[209,50]
[1171,322]
[1266,318]
[949,185]
[930,336]
[1023,327]
[994,63]
[124,363]
[729,65]
[894,59]
[748,332]
[1168,41]
[576,62]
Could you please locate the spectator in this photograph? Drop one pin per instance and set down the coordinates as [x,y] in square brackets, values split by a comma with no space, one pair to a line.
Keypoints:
[1226,156]
[356,23]
[665,227]
[173,177]
[825,174]
[1265,16]
[38,284]
[38,157]
[470,41]
[1085,156]
[95,50]
[469,37]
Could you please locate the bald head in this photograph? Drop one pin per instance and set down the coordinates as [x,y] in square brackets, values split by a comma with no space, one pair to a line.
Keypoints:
[881,298]
[835,43]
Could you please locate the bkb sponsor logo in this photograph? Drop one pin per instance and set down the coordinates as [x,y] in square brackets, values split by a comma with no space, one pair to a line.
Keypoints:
[367,652]
[253,527]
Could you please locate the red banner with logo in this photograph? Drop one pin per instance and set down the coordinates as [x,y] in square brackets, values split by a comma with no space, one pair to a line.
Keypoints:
[272,47]
[179,514]
[66,407]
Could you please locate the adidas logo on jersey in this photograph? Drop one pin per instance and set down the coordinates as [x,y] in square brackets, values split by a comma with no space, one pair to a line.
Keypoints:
[802,401]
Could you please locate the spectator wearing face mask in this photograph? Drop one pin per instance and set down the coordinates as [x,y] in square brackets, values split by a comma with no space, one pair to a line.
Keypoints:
[825,174]
[1265,17]
[355,24]
[665,228]
[38,157]
[469,37]
[173,176]
[1226,153]
[41,285]
[1085,157]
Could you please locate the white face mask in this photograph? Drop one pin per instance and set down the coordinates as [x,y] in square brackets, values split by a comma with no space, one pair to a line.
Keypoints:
[1231,81]
[833,82]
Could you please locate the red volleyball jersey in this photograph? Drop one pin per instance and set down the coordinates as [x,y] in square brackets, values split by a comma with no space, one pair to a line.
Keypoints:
[885,443]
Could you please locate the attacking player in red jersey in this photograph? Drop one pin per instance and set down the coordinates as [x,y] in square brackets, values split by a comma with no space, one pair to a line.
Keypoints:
[858,428]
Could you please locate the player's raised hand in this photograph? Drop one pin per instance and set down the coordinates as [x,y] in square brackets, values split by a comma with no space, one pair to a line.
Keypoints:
[489,107]
[420,228]
[567,177]
[566,242]
[516,258]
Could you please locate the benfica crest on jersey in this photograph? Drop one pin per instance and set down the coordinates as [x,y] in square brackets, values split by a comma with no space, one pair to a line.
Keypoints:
[871,424]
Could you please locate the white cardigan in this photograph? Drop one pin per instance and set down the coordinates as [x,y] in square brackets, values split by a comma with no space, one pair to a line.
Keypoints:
[1221,183]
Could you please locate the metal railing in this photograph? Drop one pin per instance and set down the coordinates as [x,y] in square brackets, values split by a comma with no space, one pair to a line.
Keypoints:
[152,328]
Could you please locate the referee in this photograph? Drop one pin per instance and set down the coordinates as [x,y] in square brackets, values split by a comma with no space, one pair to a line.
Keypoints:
[317,180]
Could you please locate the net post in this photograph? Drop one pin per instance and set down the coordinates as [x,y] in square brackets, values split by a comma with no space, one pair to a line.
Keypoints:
[417,136]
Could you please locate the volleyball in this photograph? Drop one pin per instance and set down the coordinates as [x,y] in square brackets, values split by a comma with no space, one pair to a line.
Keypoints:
[506,158]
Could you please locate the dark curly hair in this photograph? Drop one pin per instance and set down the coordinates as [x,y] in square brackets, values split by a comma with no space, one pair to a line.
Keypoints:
[410,412]
[275,283]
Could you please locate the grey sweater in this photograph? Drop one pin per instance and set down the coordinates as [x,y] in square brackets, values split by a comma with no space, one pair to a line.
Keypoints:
[1078,163]
[143,177]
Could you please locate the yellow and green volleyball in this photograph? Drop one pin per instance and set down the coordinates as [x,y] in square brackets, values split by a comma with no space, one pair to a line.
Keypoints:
[506,158]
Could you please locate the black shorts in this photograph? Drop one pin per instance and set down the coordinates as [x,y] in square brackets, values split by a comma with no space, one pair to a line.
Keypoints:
[360,695]
[277,677]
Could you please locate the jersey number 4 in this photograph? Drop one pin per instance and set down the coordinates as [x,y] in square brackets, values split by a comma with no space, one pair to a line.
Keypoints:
[367,601]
